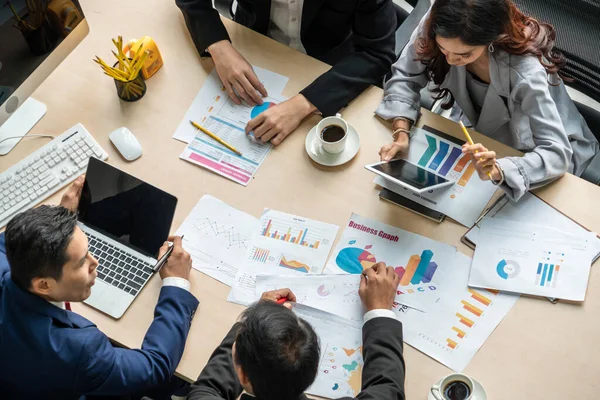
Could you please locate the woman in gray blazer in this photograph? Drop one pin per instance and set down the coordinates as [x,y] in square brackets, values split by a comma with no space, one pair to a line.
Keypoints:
[498,65]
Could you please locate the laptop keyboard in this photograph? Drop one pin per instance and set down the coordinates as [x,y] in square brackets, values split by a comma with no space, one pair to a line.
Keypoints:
[118,268]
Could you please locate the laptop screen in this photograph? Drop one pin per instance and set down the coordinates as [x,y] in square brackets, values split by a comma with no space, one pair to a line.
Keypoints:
[125,208]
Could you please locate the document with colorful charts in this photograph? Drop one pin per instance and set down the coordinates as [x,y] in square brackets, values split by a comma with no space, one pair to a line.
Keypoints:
[216,112]
[212,96]
[459,323]
[217,236]
[283,244]
[341,363]
[532,259]
[442,153]
[422,264]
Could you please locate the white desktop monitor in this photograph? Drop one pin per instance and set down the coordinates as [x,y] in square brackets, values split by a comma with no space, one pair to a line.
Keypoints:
[35,37]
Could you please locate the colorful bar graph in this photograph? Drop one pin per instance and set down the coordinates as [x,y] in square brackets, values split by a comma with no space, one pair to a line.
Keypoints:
[462,163]
[471,308]
[426,257]
[454,154]
[267,229]
[493,291]
[411,267]
[480,298]
[428,276]
[464,179]
[547,275]
[289,236]
[451,343]
[439,157]
[260,255]
[429,152]
[464,320]
[460,333]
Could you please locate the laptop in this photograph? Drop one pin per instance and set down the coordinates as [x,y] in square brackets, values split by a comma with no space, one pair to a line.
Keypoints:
[126,221]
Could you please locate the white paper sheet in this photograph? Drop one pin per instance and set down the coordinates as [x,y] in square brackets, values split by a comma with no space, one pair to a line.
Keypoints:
[422,264]
[283,244]
[213,94]
[341,364]
[532,259]
[217,237]
[336,294]
[442,153]
[533,210]
[459,323]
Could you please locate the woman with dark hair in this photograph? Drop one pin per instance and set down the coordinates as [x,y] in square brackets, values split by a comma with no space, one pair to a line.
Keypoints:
[499,66]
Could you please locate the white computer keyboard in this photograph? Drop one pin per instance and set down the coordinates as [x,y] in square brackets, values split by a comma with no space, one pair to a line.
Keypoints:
[46,171]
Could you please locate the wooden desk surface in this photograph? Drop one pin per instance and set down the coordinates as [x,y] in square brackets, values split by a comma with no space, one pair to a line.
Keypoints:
[539,351]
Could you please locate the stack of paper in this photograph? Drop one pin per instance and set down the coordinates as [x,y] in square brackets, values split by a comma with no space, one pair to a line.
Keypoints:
[442,154]
[532,259]
[214,110]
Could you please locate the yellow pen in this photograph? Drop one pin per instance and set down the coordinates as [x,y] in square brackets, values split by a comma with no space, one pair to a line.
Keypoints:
[218,139]
[466,132]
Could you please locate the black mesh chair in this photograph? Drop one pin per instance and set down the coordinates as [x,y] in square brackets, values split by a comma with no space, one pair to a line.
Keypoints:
[577,24]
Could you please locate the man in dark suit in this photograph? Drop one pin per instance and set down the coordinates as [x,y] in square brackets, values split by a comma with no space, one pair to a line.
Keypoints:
[273,355]
[50,352]
[356,37]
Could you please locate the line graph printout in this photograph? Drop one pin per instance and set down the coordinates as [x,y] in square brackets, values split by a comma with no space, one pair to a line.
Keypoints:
[217,236]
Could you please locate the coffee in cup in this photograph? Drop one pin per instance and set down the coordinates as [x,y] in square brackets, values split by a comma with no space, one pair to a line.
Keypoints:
[454,387]
[332,133]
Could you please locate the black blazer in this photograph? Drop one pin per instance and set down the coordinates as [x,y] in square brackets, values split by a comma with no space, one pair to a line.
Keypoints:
[382,376]
[356,37]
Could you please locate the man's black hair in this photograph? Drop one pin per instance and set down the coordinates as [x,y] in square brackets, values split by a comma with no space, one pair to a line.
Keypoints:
[36,243]
[278,351]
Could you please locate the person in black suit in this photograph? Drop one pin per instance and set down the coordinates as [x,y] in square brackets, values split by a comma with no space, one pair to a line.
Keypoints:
[356,37]
[273,355]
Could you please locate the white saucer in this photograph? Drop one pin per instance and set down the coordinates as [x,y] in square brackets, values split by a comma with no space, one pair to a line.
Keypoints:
[314,150]
[478,395]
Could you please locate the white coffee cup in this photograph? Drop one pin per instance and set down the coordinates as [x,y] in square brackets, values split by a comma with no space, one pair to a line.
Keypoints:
[438,390]
[333,147]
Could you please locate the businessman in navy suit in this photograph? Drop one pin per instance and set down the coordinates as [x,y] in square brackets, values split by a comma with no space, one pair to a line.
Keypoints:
[47,351]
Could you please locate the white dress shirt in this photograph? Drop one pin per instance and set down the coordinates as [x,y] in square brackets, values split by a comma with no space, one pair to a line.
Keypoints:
[170,281]
[286,21]
[380,313]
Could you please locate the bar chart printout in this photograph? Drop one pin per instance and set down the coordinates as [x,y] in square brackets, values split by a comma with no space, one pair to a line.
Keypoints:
[453,330]
[283,244]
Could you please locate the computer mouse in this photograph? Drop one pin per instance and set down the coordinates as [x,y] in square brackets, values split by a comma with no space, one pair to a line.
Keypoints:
[126,143]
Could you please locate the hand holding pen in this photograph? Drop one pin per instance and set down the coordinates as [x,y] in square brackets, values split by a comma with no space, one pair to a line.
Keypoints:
[483,159]
[173,260]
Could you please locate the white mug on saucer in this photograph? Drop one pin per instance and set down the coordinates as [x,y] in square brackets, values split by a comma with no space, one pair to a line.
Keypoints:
[454,387]
[329,132]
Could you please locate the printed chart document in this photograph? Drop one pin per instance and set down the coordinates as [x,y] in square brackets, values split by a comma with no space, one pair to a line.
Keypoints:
[215,111]
[455,328]
[283,244]
[442,154]
[217,237]
[533,259]
[341,363]
[423,265]
[213,94]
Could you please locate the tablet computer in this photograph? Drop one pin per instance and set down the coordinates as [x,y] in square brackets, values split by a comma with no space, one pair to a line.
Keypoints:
[409,175]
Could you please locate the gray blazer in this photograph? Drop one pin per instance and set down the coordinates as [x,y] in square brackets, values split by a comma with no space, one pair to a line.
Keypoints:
[521,109]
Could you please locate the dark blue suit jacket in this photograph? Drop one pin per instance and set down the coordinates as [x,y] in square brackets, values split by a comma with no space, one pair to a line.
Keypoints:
[50,353]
